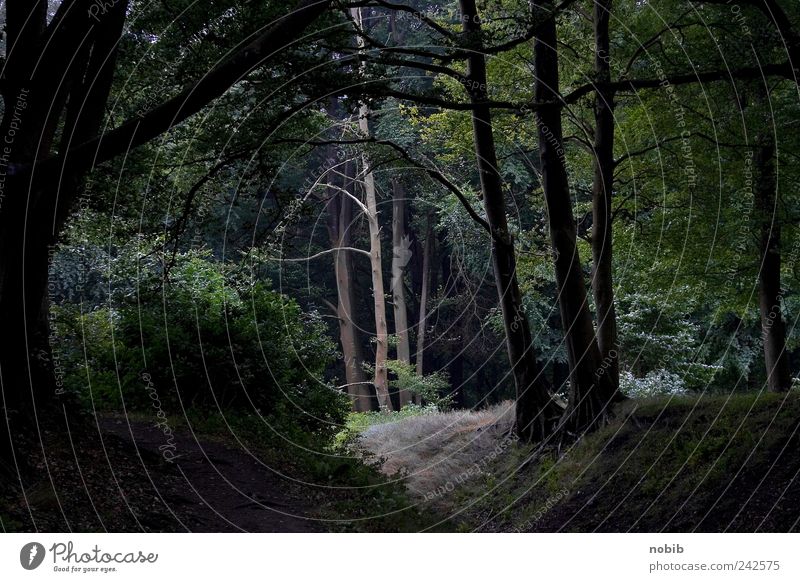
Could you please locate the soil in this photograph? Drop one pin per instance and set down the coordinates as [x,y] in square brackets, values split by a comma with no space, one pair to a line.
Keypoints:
[116,478]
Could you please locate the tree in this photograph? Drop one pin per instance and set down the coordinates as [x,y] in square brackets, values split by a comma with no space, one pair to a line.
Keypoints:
[56,80]
[401,254]
[424,294]
[367,180]
[770,291]
[590,390]
[602,195]
[535,406]
[340,227]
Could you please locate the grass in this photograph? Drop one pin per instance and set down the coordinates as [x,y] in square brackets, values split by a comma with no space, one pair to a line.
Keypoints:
[434,453]
[710,463]
[358,422]
[707,464]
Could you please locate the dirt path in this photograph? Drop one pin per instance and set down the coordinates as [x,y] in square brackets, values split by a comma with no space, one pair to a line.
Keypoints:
[211,486]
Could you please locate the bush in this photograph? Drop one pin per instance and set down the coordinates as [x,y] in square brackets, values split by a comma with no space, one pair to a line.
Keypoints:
[358,422]
[655,383]
[432,388]
[205,337]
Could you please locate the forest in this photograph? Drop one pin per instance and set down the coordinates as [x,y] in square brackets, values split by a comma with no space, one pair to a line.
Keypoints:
[400,265]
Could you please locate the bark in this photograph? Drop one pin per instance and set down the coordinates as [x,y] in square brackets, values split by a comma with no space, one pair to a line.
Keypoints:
[340,220]
[769,276]
[602,190]
[536,411]
[589,389]
[381,330]
[424,295]
[401,254]
[39,79]
[379,299]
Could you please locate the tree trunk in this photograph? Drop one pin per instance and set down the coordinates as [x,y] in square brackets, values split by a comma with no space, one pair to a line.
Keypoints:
[602,190]
[381,331]
[536,411]
[39,80]
[589,389]
[401,254]
[769,276]
[424,297]
[340,219]
[424,294]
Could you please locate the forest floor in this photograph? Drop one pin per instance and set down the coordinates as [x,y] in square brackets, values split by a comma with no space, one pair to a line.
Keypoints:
[712,463]
[116,477]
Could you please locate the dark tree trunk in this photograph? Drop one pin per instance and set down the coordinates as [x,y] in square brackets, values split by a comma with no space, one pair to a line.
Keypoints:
[589,388]
[602,189]
[536,412]
[769,276]
[35,205]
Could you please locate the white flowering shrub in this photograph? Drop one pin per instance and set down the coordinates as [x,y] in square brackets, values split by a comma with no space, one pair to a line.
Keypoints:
[655,383]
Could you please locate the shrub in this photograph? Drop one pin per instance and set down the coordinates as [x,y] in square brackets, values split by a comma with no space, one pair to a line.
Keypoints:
[358,422]
[655,383]
[432,388]
[205,336]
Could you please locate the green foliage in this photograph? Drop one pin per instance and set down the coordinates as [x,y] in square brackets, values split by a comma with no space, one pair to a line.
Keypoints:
[358,422]
[205,336]
[432,388]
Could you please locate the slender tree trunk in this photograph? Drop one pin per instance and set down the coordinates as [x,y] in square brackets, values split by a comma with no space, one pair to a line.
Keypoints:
[602,190]
[401,255]
[536,411]
[424,294]
[340,218]
[424,297]
[769,276]
[381,330]
[589,390]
